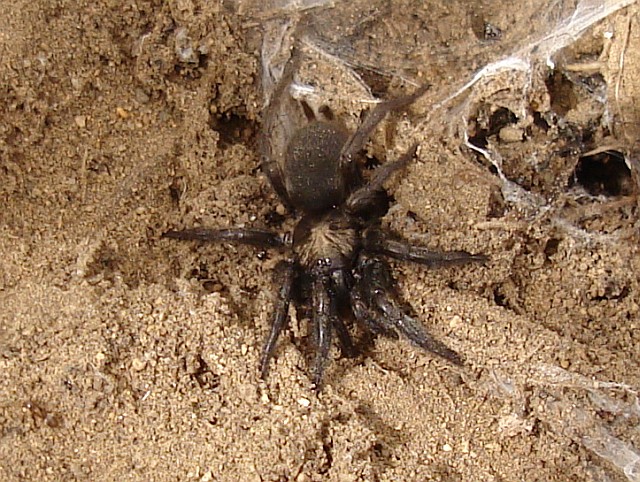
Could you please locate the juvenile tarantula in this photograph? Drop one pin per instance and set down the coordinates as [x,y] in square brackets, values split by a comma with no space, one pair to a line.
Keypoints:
[338,247]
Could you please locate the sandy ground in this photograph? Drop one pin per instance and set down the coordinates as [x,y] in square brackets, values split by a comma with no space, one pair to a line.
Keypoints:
[125,356]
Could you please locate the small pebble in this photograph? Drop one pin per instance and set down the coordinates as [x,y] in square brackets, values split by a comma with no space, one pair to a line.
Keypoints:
[511,134]
[122,113]
[455,321]
[138,365]
[207,477]
[141,96]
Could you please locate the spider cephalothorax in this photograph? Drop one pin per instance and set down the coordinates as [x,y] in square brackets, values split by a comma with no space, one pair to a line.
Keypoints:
[336,260]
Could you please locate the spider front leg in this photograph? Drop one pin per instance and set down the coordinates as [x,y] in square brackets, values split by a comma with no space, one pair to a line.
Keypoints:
[376,283]
[255,237]
[285,275]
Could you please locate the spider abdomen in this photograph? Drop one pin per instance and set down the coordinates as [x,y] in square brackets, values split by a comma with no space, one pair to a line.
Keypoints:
[314,179]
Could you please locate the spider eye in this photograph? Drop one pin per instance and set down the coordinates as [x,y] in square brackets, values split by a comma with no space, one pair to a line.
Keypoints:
[324,262]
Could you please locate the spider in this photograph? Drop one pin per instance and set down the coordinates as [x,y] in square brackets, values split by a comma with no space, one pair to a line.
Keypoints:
[336,253]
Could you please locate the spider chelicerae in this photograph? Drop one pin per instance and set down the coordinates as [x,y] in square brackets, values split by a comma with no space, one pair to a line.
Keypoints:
[336,255]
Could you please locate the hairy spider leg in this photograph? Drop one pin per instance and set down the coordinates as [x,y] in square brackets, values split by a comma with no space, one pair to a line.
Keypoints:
[364,197]
[383,308]
[254,237]
[278,103]
[325,316]
[358,139]
[377,241]
[285,273]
